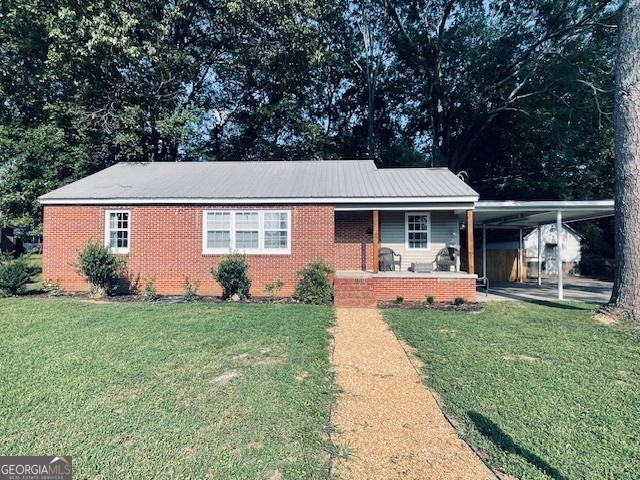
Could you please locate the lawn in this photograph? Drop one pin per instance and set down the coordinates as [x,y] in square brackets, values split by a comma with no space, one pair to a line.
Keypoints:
[542,391]
[35,265]
[135,390]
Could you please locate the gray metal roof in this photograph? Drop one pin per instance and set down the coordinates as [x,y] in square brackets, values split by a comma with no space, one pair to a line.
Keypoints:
[336,181]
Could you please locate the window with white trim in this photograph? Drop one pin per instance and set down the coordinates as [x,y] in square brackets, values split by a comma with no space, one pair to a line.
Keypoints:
[247,231]
[418,230]
[117,230]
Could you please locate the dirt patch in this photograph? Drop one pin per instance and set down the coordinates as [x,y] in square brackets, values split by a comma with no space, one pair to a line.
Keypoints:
[526,358]
[270,361]
[264,357]
[187,452]
[606,319]
[228,376]
[277,475]
[452,331]
[238,358]
[129,394]
[389,424]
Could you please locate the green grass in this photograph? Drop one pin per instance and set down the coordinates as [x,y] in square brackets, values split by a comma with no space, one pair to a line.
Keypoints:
[135,390]
[542,391]
[35,265]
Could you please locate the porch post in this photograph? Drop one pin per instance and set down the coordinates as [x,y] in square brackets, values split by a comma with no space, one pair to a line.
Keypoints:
[470,245]
[376,240]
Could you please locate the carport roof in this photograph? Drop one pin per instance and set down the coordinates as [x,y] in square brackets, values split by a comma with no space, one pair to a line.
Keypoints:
[516,214]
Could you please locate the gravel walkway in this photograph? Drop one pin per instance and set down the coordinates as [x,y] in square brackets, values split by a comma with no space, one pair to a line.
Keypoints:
[387,419]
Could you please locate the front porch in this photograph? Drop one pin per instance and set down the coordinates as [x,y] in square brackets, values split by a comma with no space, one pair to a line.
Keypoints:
[426,260]
[354,288]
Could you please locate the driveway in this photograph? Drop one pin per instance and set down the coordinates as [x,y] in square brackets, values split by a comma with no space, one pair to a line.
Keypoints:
[580,289]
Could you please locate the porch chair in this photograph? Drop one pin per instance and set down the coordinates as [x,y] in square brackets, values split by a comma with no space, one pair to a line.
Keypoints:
[389,259]
[447,258]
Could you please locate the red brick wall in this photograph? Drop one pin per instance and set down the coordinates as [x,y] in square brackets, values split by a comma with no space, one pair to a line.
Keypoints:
[442,289]
[354,246]
[166,244]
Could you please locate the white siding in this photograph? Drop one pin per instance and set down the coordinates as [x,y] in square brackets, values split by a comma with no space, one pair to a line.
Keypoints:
[445,232]
[571,247]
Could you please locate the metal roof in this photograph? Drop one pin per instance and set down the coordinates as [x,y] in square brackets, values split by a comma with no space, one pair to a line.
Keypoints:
[515,214]
[335,181]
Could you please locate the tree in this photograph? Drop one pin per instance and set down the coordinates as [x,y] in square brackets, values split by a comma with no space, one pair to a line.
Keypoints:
[625,298]
[374,25]
[468,63]
[500,88]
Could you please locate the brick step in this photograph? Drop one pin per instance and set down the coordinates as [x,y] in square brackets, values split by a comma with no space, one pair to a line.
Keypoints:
[354,303]
[353,293]
[351,286]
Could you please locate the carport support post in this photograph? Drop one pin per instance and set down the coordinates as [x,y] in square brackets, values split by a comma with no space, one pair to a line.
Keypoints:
[484,251]
[559,253]
[539,254]
[376,240]
[470,245]
[520,249]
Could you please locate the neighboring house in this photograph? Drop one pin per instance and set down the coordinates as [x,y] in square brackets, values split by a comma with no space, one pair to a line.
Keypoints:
[175,220]
[29,243]
[6,239]
[571,241]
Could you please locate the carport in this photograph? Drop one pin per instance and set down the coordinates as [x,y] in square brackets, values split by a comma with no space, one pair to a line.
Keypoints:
[519,215]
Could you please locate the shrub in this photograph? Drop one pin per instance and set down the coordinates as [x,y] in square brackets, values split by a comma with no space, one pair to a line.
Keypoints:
[399,299]
[430,300]
[232,275]
[190,292]
[101,268]
[14,275]
[459,301]
[272,288]
[313,286]
[52,288]
[150,293]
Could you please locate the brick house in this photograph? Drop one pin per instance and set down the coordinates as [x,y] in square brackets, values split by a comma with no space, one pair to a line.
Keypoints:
[175,220]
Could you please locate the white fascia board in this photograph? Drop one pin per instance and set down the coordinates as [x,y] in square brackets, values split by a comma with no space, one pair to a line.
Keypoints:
[428,206]
[515,206]
[253,201]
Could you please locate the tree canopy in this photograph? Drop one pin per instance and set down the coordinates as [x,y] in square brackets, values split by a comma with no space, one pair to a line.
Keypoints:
[517,94]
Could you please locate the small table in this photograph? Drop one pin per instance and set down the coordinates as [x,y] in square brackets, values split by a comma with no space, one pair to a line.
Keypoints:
[421,267]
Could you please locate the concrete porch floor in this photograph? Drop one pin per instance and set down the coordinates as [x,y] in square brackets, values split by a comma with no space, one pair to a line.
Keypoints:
[403,274]
[575,289]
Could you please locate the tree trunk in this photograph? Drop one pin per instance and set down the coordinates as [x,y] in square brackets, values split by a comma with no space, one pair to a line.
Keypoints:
[372,80]
[625,298]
